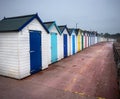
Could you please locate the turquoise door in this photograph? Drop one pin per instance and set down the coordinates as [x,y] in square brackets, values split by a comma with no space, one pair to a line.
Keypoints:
[73,44]
[53,47]
[35,52]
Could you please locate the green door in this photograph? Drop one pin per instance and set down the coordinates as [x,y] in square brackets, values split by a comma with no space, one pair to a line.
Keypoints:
[82,42]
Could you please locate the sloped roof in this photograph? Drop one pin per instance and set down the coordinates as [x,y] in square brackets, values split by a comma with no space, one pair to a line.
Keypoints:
[71,30]
[76,31]
[18,23]
[62,28]
[48,25]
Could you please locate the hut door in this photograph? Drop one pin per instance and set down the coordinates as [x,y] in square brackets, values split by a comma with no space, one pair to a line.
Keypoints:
[85,41]
[73,44]
[35,51]
[65,45]
[53,47]
[82,42]
[78,42]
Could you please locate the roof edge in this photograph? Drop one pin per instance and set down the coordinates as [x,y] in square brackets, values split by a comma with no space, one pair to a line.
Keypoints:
[38,18]
[54,23]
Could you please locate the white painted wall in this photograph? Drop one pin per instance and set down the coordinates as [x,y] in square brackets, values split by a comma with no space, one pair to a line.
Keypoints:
[60,47]
[95,39]
[84,41]
[9,51]
[101,39]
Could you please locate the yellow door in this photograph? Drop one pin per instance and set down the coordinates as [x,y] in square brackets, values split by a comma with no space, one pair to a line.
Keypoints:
[80,42]
[78,37]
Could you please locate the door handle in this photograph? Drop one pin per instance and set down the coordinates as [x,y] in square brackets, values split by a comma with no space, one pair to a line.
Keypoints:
[32,51]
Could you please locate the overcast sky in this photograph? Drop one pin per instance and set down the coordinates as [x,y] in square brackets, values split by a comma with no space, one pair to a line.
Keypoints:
[99,15]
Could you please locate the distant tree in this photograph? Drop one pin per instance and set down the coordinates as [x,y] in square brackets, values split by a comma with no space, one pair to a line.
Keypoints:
[107,35]
[101,34]
[115,36]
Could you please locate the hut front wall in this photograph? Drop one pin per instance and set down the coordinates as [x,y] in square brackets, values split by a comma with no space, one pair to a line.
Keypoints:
[59,46]
[24,47]
[95,39]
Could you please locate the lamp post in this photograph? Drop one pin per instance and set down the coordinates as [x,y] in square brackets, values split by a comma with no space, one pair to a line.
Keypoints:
[76,25]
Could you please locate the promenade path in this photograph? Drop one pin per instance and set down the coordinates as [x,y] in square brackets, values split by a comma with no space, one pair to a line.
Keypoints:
[89,74]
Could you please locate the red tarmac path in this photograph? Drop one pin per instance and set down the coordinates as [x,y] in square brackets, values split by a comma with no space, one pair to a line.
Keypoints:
[89,74]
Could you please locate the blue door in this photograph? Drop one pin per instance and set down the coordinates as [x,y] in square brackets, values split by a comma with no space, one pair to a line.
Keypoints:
[35,51]
[65,45]
[53,47]
[73,44]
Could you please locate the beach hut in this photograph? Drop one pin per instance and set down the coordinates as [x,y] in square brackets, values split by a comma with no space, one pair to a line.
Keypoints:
[95,37]
[55,44]
[23,46]
[65,34]
[72,39]
[98,38]
[89,38]
[102,38]
[87,45]
[85,38]
[92,38]
[78,37]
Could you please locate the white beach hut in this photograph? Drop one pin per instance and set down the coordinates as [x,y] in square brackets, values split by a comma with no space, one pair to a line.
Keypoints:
[23,46]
